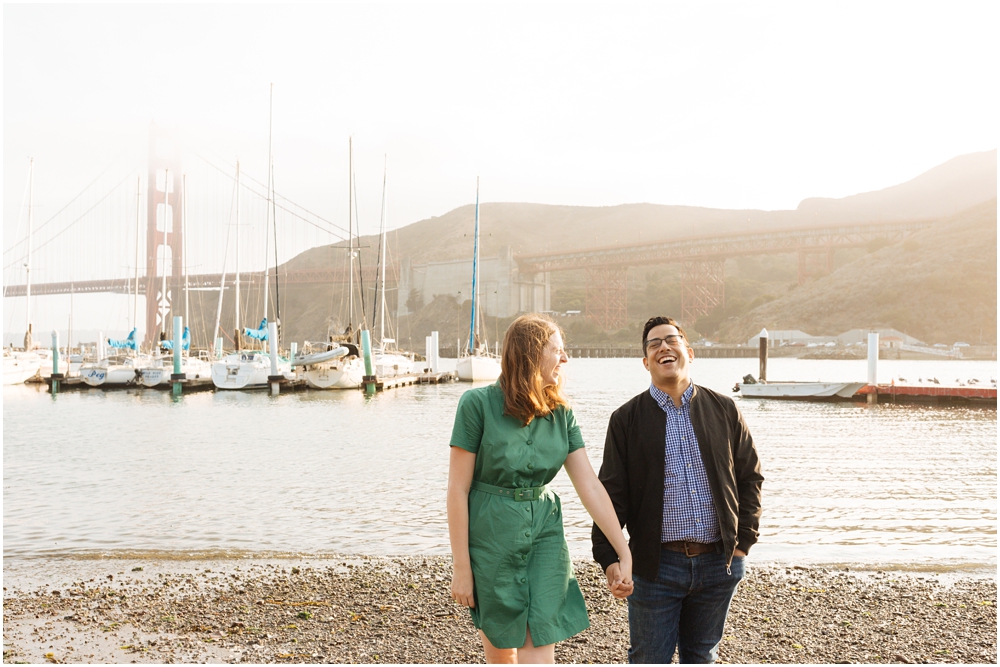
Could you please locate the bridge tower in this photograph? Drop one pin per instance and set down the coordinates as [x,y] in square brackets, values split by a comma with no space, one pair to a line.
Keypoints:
[703,289]
[607,297]
[164,242]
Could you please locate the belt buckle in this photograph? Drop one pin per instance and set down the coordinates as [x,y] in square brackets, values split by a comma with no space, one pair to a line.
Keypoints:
[686,552]
[523,495]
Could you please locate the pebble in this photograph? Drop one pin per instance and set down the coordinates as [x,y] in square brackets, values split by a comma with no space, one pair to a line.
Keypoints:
[399,610]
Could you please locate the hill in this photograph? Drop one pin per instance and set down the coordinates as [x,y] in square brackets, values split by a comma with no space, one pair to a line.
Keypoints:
[939,285]
[537,228]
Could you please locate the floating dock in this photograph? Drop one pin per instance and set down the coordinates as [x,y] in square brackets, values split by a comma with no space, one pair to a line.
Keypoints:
[383,383]
[929,394]
[438,377]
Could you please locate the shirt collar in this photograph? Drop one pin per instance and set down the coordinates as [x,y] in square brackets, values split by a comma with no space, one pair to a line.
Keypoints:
[663,399]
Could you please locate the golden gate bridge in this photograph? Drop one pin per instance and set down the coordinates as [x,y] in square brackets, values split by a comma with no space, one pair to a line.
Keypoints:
[108,238]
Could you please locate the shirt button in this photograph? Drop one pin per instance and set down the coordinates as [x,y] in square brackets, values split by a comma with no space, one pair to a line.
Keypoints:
[527,534]
[524,556]
[531,467]
[529,442]
[689,465]
[523,580]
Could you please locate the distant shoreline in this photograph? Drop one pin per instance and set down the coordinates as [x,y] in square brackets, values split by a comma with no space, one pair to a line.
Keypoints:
[355,609]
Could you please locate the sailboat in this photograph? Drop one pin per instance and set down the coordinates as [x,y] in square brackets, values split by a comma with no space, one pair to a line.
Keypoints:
[162,366]
[344,370]
[250,369]
[125,368]
[387,359]
[19,365]
[477,363]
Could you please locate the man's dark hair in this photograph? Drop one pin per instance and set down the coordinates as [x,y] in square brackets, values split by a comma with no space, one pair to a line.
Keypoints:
[655,322]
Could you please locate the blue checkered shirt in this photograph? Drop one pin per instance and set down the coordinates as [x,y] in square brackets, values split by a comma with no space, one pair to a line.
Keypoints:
[688,511]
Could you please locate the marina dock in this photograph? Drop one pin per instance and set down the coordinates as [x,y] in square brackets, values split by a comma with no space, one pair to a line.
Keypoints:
[929,394]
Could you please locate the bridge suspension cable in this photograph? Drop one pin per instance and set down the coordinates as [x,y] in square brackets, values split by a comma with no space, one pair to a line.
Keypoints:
[335,229]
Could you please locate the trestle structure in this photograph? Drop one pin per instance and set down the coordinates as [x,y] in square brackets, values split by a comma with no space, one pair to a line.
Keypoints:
[703,289]
[814,262]
[702,286]
[607,297]
[164,237]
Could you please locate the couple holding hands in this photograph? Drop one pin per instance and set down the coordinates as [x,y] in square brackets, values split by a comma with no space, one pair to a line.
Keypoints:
[680,471]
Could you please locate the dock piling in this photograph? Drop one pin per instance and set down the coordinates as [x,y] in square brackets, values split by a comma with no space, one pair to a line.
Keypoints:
[56,375]
[176,377]
[873,366]
[274,379]
[762,375]
[366,350]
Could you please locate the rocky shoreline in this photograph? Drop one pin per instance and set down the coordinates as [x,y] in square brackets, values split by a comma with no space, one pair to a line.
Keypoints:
[398,610]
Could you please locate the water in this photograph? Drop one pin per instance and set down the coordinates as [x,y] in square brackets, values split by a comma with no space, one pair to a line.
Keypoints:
[315,473]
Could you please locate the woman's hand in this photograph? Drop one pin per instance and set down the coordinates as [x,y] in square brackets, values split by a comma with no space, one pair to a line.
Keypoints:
[462,586]
[620,578]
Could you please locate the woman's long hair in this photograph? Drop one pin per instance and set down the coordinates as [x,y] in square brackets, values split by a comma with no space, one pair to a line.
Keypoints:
[525,397]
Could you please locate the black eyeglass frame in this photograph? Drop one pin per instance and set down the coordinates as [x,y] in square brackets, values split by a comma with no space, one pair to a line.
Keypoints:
[670,340]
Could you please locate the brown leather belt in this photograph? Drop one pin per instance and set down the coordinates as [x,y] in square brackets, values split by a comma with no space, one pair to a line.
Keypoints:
[691,549]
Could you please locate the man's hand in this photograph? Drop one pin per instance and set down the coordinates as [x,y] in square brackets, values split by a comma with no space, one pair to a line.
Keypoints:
[620,579]
[741,554]
[461,586]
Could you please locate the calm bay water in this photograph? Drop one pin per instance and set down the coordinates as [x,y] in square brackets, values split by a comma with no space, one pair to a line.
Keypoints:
[313,473]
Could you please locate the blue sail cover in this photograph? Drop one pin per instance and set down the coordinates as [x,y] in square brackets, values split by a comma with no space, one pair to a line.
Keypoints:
[127,343]
[185,341]
[259,333]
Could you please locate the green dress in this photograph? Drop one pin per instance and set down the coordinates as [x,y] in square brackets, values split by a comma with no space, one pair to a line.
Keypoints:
[520,561]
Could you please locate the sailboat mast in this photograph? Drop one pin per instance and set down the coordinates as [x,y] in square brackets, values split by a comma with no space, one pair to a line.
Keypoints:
[350,232]
[474,321]
[381,258]
[27,264]
[270,197]
[184,241]
[236,304]
[166,236]
[135,282]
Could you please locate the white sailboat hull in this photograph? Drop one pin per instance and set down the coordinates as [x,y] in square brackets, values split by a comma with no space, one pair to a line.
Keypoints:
[247,370]
[800,389]
[337,374]
[478,369]
[193,369]
[389,365]
[20,366]
[114,371]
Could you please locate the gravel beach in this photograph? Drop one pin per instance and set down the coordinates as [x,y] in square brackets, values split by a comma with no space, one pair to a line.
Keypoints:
[398,610]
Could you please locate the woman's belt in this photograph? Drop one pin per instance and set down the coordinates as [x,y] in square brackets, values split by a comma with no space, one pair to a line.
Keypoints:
[521,495]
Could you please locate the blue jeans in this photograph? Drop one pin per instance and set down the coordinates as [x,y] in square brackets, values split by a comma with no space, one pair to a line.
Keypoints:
[684,608]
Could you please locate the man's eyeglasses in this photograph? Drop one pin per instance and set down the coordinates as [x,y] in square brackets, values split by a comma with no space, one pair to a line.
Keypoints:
[655,343]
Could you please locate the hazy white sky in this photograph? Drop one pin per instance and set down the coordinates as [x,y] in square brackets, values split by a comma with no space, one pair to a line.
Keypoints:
[729,105]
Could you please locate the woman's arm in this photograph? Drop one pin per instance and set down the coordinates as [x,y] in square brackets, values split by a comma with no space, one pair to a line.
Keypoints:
[595,498]
[460,470]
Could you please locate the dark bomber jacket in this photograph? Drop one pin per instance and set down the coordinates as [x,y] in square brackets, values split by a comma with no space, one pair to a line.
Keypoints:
[632,472]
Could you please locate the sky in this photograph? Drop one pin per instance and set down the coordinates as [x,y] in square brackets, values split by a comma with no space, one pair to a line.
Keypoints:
[724,105]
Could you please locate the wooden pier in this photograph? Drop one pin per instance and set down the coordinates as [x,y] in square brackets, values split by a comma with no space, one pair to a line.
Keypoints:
[383,383]
[438,377]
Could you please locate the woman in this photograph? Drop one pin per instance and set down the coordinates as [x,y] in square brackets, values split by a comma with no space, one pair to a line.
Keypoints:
[511,563]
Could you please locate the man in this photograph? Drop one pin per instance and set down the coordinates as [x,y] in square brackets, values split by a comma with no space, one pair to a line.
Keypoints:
[683,474]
